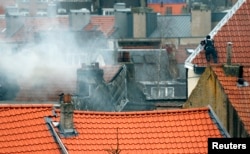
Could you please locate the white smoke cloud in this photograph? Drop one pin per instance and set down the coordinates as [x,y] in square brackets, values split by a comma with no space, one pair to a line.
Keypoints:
[55,58]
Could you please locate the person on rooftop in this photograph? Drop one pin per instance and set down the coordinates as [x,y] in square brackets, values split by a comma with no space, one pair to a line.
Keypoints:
[209,48]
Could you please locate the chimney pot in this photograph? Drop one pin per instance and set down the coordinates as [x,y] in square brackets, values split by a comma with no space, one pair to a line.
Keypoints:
[229,52]
[67,98]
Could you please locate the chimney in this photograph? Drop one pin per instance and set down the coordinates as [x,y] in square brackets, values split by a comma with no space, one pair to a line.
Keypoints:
[229,52]
[234,69]
[14,21]
[78,19]
[66,125]
[201,20]
[140,19]
[229,68]
[52,10]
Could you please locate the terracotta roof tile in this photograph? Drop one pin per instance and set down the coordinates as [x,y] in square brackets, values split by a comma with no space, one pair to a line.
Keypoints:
[236,30]
[110,71]
[23,129]
[176,7]
[104,24]
[145,132]
[238,96]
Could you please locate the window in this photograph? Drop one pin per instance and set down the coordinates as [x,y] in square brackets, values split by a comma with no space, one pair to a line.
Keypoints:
[41,12]
[169,92]
[163,92]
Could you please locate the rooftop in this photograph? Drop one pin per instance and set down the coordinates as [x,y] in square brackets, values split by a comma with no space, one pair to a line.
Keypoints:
[24,130]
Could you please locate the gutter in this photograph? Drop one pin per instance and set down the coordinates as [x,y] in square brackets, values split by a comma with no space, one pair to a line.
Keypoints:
[218,123]
[55,136]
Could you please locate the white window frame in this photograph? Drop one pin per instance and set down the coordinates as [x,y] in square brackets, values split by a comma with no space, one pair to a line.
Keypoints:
[164,92]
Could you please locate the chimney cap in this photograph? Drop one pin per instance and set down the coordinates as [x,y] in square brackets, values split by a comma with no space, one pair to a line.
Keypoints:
[229,43]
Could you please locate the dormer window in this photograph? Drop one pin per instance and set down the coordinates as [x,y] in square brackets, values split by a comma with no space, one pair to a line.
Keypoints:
[162,92]
[41,12]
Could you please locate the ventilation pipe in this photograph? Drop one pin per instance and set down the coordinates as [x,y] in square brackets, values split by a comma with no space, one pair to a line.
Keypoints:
[229,53]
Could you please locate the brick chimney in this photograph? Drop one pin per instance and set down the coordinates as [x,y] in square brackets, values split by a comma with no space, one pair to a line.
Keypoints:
[229,68]
[229,52]
[235,70]
[66,125]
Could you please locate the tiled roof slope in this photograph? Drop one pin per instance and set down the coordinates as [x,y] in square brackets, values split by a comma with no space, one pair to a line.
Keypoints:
[23,129]
[238,96]
[103,23]
[110,71]
[182,131]
[236,30]
[32,25]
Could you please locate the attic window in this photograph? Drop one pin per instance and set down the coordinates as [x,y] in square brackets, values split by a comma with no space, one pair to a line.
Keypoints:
[162,92]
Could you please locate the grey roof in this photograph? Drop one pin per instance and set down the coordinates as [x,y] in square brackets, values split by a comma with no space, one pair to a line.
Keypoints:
[173,26]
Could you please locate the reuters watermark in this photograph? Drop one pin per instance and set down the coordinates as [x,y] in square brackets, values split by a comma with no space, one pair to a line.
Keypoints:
[224,145]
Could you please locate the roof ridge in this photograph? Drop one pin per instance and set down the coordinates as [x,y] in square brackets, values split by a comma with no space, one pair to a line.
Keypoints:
[144,112]
[25,105]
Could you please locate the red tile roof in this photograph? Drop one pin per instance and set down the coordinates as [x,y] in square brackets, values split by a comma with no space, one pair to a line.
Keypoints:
[24,130]
[110,71]
[236,30]
[4,3]
[176,8]
[238,96]
[32,25]
[169,131]
[104,24]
